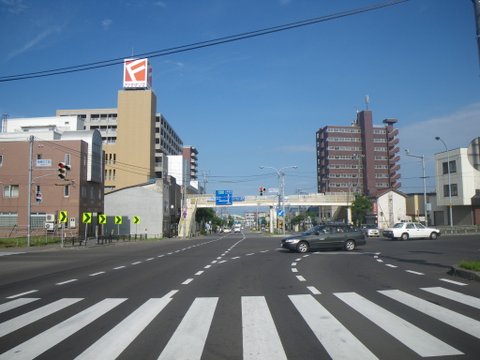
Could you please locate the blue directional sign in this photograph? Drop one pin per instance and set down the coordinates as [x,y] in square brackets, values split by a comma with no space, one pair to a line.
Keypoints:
[223,197]
[280,212]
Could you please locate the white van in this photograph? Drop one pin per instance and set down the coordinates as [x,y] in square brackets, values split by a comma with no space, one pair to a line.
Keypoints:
[237,228]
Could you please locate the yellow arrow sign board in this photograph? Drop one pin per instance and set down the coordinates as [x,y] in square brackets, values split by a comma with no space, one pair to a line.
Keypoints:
[118,220]
[102,219]
[63,216]
[136,219]
[87,217]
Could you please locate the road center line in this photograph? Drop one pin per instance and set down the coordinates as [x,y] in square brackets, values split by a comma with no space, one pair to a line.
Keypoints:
[97,273]
[66,282]
[21,294]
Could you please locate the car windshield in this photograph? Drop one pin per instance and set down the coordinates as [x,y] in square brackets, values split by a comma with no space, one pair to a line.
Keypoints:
[420,226]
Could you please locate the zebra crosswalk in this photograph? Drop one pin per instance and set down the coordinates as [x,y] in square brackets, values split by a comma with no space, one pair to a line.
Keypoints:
[260,335]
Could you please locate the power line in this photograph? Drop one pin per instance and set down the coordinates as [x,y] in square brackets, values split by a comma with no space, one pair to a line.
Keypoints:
[201,44]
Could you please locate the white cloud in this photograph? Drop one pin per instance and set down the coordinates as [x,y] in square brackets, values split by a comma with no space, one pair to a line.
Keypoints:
[160,4]
[14,6]
[456,129]
[106,23]
[35,41]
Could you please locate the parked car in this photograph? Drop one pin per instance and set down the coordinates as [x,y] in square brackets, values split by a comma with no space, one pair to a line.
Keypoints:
[370,230]
[413,230]
[325,237]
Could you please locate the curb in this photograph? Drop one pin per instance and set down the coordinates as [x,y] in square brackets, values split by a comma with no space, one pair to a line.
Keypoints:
[465,274]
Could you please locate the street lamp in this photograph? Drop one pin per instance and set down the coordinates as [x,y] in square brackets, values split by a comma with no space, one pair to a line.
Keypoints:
[281,182]
[449,179]
[407,152]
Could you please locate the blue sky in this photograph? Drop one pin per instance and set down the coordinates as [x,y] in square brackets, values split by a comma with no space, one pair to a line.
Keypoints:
[258,101]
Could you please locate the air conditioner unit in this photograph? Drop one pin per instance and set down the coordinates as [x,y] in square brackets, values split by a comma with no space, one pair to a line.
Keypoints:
[49,226]
[50,218]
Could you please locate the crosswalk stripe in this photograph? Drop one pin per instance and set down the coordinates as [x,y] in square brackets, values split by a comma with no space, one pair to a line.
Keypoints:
[260,336]
[30,317]
[459,321]
[51,337]
[16,303]
[335,338]
[190,336]
[455,295]
[410,335]
[113,343]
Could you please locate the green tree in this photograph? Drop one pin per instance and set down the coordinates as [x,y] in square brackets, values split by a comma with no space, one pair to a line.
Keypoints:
[207,215]
[361,206]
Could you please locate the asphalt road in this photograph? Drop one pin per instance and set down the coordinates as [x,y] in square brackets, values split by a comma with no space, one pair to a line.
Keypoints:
[240,296]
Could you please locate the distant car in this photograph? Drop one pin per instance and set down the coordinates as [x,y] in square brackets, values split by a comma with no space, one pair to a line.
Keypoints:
[325,237]
[227,230]
[370,230]
[411,230]
[237,228]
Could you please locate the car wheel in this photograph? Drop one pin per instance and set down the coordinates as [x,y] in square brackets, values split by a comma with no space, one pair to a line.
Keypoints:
[303,247]
[433,235]
[404,236]
[349,245]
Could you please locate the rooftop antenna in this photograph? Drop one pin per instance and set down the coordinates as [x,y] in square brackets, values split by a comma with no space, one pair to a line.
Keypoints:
[367,101]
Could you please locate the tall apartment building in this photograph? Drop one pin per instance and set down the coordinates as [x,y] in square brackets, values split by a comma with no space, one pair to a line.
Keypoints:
[190,154]
[135,137]
[360,158]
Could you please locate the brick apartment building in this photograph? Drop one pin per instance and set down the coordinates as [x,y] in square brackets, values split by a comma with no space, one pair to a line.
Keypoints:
[360,158]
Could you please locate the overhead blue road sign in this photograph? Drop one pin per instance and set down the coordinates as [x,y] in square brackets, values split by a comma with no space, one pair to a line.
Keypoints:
[280,212]
[223,197]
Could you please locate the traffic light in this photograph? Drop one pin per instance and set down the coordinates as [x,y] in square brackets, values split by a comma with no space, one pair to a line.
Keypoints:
[62,170]
[261,190]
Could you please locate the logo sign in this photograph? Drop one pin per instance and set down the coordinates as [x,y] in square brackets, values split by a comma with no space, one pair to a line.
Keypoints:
[136,219]
[87,217]
[118,220]
[137,74]
[63,217]
[102,219]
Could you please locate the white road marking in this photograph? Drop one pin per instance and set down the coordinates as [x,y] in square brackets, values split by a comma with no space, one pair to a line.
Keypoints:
[455,296]
[408,334]
[97,273]
[149,259]
[301,278]
[313,290]
[414,272]
[21,294]
[16,303]
[136,262]
[294,270]
[188,281]
[250,254]
[207,266]
[112,344]
[199,272]
[260,336]
[51,337]
[335,338]
[236,257]
[391,266]
[35,315]
[294,264]
[66,282]
[190,336]
[119,267]
[459,321]
[453,282]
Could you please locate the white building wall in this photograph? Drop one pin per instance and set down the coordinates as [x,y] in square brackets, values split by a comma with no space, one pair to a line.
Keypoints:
[64,123]
[392,208]
[178,168]
[146,202]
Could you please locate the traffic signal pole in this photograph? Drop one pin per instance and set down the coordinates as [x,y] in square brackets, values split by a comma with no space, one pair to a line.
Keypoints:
[29,199]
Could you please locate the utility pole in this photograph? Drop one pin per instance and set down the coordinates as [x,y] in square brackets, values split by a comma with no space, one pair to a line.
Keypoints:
[29,199]
[476,4]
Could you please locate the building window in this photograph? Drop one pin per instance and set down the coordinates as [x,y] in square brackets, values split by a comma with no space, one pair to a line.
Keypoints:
[453,167]
[1,160]
[454,190]
[66,191]
[10,191]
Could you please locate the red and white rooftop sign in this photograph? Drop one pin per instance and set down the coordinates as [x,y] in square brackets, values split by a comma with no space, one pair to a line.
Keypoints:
[137,74]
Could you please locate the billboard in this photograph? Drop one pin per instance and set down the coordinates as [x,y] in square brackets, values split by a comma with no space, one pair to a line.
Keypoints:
[137,74]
